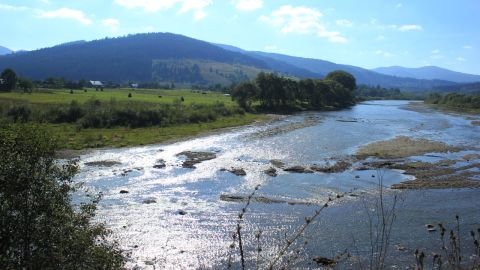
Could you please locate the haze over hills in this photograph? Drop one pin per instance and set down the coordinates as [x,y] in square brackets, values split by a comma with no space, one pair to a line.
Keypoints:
[363,76]
[429,73]
[4,50]
[166,57]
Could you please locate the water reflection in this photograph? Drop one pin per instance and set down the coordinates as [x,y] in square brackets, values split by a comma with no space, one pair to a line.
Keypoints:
[189,227]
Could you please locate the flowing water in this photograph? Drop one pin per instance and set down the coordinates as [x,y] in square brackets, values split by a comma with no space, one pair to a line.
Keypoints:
[187,226]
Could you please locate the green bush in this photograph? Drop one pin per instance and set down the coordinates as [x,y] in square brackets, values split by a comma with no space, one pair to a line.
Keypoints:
[40,228]
[19,113]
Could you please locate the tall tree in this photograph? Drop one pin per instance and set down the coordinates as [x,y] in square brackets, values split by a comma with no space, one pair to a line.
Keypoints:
[9,78]
[245,93]
[25,84]
[40,228]
[344,78]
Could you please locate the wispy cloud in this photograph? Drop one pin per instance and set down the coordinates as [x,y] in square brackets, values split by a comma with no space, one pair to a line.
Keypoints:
[301,20]
[344,23]
[399,5]
[461,59]
[384,53]
[197,7]
[248,5]
[66,13]
[112,23]
[435,54]
[410,27]
[12,8]
[468,47]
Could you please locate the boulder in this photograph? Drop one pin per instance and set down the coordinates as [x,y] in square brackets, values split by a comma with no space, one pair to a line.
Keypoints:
[271,172]
[298,169]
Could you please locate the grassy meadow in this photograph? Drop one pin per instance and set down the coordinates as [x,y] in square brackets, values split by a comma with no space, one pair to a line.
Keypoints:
[71,135]
[63,96]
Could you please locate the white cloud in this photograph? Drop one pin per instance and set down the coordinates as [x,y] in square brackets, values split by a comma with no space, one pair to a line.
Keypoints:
[381,37]
[248,5]
[461,59]
[410,27]
[199,15]
[399,5]
[468,47]
[345,23]
[12,8]
[113,24]
[301,20]
[195,6]
[384,53]
[436,51]
[66,13]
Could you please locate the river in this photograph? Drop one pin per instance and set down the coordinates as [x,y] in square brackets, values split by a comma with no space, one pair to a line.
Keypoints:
[185,225]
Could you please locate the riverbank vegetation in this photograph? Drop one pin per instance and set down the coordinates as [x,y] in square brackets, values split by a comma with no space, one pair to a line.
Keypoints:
[40,228]
[271,92]
[366,92]
[122,117]
[455,101]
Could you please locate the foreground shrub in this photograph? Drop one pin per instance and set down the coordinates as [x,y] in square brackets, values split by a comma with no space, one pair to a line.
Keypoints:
[40,228]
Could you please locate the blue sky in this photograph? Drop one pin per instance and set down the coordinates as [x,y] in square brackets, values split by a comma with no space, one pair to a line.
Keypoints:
[370,33]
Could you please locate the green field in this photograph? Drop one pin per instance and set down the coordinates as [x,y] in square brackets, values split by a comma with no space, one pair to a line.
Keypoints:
[70,136]
[63,96]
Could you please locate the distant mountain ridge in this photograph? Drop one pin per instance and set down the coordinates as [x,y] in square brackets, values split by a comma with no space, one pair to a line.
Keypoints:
[428,73]
[127,58]
[172,57]
[363,76]
[5,50]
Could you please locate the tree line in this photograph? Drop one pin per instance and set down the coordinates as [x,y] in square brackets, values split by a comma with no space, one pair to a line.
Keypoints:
[272,92]
[455,100]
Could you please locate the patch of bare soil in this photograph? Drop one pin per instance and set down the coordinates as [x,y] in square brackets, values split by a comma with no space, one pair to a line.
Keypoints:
[403,146]
[439,175]
[339,166]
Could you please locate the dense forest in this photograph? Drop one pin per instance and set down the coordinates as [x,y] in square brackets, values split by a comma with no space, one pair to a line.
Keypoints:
[271,92]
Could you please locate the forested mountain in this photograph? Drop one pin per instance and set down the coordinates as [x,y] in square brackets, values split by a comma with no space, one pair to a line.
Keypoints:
[4,50]
[118,59]
[127,58]
[429,73]
[160,56]
[363,76]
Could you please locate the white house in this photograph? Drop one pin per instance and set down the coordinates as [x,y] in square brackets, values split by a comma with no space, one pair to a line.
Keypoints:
[96,84]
